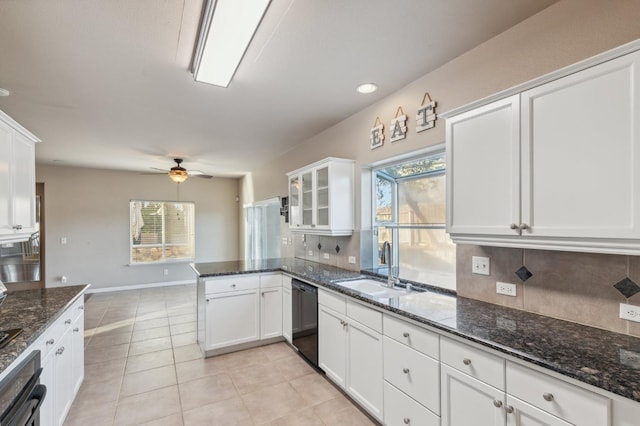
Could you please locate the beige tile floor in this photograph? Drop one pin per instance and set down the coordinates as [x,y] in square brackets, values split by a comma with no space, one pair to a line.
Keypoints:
[142,367]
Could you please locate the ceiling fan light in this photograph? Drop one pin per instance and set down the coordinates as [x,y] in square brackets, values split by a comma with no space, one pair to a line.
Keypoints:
[178,174]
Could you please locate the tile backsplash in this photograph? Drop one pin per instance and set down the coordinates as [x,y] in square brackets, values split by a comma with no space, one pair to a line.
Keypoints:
[586,288]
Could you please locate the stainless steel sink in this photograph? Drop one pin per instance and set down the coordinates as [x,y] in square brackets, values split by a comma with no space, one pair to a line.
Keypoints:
[376,288]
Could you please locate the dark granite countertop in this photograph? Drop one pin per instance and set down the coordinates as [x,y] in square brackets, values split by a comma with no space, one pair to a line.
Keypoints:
[607,360]
[33,311]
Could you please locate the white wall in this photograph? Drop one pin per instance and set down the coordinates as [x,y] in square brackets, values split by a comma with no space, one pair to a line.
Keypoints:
[91,209]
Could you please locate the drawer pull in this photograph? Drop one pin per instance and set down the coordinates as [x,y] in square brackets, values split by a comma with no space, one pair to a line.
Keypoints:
[233,286]
[514,226]
[81,308]
[208,300]
[50,342]
[547,396]
[407,420]
[405,370]
[60,350]
[466,361]
[68,322]
[497,403]
[405,334]
[76,329]
[508,409]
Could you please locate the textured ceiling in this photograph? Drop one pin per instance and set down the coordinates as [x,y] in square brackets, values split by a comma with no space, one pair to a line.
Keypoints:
[106,83]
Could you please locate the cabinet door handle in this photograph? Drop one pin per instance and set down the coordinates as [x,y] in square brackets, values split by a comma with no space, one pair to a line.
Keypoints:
[547,396]
[50,342]
[68,322]
[508,409]
[313,225]
[208,300]
[405,370]
[76,329]
[233,286]
[81,308]
[60,350]
[406,420]
[17,227]
[405,334]
[524,226]
[466,361]
[514,226]
[497,403]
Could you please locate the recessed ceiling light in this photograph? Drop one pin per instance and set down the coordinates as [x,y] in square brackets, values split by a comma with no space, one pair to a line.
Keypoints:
[367,88]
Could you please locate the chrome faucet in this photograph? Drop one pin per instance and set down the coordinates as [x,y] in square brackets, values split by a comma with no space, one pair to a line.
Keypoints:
[387,257]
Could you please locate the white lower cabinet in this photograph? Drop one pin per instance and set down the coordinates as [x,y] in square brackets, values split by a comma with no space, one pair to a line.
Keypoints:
[242,309]
[232,318]
[468,401]
[401,410]
[523,414]
[287,326]
[350,349]
[62,361]
[332,344]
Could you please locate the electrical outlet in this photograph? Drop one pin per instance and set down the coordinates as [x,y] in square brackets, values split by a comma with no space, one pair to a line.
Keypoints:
[63,240]
[352,260]
[165,272]
[63,279]
[310,253]
[505,288]
[284,241]
[630,312]
[326,256]
[480,265]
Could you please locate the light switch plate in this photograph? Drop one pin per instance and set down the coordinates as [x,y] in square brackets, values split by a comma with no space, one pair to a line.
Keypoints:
[352,260]
[480,265]
[630,312]
[326,255]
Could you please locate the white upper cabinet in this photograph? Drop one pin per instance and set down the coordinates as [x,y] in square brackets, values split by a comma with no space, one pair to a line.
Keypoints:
[17,181]
[321,198]
[552,167]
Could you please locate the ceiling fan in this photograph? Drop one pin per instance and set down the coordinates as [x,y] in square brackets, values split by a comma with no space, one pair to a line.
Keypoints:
[179,174]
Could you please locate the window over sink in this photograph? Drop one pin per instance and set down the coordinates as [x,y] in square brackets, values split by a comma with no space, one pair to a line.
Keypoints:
[409,211]
[161,231]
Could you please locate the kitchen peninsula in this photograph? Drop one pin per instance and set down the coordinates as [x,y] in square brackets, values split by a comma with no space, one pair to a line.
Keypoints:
[574,353]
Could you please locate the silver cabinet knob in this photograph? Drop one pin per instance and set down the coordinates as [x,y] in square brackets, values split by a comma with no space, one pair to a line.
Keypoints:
[406,420]
[497,403]
[524,226]
[60,350]
[233,286]
[208,300]
[547,396]
[50,342]
[508,409]
[81,308]
[68,322]
[17,227]
[405,334]
[466,361]
[513,226]
[405,370]
[76,330]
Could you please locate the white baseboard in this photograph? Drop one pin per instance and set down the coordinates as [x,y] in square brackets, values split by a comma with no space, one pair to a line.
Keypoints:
[138,286]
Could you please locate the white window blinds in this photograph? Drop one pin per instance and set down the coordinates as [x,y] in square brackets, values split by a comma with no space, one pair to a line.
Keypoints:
[161,231]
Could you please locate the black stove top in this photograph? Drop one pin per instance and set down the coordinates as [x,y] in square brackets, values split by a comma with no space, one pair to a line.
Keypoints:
[7,336]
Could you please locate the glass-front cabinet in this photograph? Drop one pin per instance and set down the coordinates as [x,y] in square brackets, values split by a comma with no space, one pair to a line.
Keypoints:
[321,197]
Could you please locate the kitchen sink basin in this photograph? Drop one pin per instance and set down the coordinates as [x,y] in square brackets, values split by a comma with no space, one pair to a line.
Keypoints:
[376,288]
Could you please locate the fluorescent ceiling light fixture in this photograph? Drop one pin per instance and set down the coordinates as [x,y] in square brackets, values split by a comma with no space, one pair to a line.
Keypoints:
[367,88]
[227,29]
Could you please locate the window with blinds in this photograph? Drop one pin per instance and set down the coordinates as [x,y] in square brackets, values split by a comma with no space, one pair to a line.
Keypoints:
[161,231]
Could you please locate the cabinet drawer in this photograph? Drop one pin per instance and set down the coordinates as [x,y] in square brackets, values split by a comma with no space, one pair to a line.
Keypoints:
[77,308]
[364,315]
[413,336]
[50,339]
[415,374]
[571,403]
[483,366]
[271,280]
[333,301]
[400,410]
[241,282]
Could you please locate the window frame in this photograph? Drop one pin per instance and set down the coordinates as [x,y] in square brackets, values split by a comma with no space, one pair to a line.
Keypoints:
[394,226]
[163,245]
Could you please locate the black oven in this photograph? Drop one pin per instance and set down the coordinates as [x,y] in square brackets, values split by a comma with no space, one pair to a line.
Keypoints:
[304,318]
[21,393]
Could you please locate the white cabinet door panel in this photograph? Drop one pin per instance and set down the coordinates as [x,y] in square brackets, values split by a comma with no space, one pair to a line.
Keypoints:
[270,312]
[483,151]
[580,139]
[332,345]
[467,401]
[527,415]
[364,368]
[232,318]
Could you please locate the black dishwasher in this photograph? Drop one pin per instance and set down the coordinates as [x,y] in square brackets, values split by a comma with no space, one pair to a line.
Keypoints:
[304,319]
